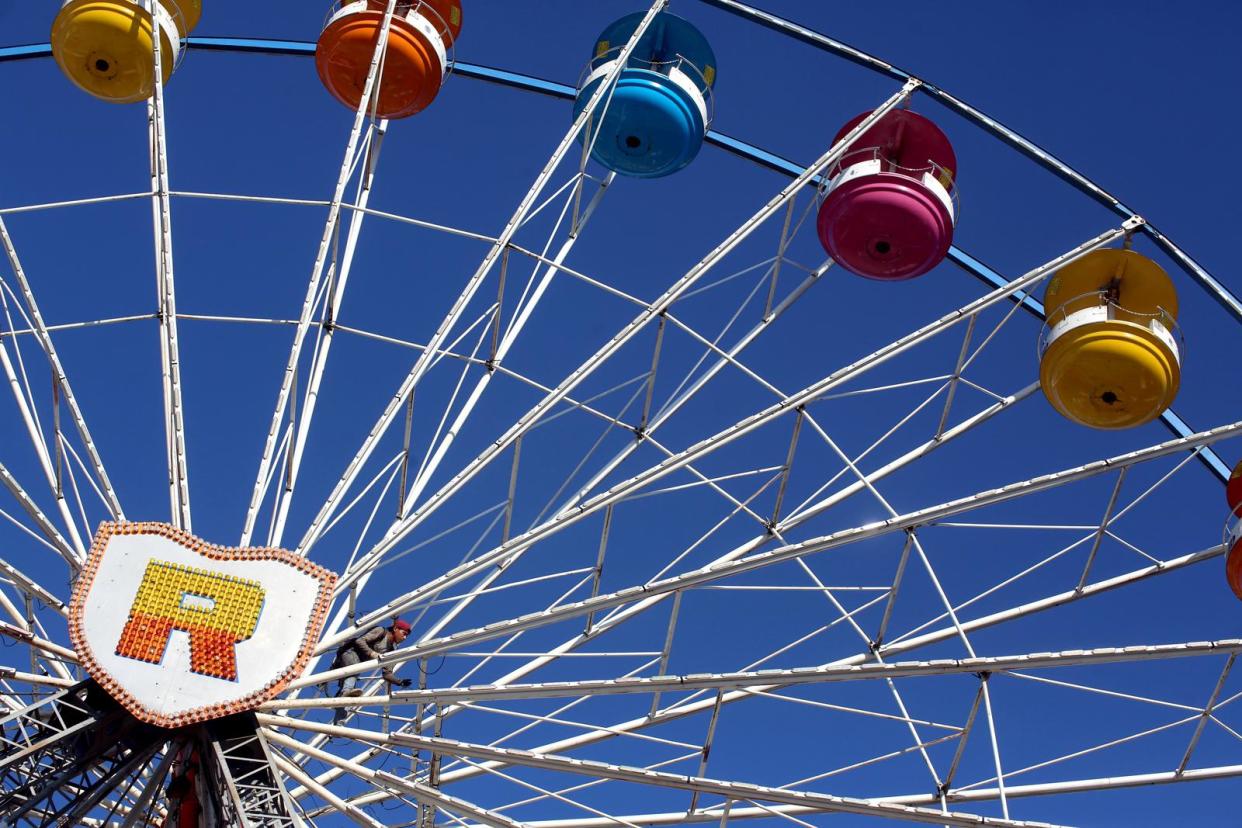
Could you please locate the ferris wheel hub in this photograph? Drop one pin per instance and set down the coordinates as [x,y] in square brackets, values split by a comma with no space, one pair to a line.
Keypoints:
[180,631]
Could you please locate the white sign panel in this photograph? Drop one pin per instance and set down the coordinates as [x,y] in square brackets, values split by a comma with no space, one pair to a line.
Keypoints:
[181,631]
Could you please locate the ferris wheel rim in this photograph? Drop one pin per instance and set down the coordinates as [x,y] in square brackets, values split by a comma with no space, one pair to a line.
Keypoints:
[975,267]
[1024,299]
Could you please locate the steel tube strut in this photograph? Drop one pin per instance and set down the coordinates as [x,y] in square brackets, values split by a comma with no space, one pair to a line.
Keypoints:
[41,332]
[643,776]
[1040,156]
[423,363]
[421,792]
[780,678]
[714,572]
[945,633]
[649,314]
[317,269]
[170,350]
[734,432]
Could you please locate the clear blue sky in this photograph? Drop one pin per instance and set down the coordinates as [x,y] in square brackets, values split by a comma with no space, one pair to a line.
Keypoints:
[1139,96]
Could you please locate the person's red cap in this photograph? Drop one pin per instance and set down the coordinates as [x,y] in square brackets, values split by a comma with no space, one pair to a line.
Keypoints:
[401,624]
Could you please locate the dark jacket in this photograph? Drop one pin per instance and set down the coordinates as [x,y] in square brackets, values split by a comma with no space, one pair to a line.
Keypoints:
[370,645]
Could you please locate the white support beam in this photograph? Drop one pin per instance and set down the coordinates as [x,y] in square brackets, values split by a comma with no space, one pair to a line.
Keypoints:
[926,639]
[454,314]
[317,270]
[67,551]
[39,643]
[712,443]
[342,268]
[642,776]
[771,679]
[502,348]
[716,572]
[714,814]
[78,551]
[648,315]
[42,333]
[166,292]
[421,792]
[340,806]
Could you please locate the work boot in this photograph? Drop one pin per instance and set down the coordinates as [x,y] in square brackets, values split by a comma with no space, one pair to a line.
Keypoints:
[353,692]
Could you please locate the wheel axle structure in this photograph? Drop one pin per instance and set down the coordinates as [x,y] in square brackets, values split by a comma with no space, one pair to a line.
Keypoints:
[685,521]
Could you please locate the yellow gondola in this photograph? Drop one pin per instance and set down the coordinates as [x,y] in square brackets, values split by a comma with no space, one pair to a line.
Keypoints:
[106,47]
[1109,353]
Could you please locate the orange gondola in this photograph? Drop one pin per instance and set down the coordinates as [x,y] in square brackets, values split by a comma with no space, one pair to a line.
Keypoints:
[414,65]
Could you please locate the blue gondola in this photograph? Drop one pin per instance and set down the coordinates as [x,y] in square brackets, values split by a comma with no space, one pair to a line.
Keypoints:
[658,115]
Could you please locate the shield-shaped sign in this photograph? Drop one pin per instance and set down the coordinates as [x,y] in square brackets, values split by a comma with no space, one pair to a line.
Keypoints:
[181,631]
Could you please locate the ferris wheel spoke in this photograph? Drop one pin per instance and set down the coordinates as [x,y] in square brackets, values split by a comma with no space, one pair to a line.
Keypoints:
[541,791]
[166,293]
[72,550]
[353,813]
[57,541]
[354,153]
[460,604]
[42,333]
[652,312]
[499,349]
[733,812]
[828,673]
[531,800]
[501,345]
[1052,601]
[848,669]
[485,584]
[339,272]
[546,420]
[732,789]
[710,444]
[497,250]
[419,721]
[29,631]
[714,573]
[421,792]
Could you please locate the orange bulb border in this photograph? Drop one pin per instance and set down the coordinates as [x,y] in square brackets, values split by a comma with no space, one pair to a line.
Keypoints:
[107,530]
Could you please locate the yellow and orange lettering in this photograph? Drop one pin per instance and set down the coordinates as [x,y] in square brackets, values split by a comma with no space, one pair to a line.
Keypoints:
[218,612]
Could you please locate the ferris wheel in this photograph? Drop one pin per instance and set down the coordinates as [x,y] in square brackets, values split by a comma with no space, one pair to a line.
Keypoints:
[405,441]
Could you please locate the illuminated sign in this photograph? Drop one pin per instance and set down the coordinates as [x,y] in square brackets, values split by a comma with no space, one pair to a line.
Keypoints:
[181,631]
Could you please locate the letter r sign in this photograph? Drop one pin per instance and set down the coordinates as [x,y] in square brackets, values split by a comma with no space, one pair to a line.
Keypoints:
[165,602]
[180,631]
